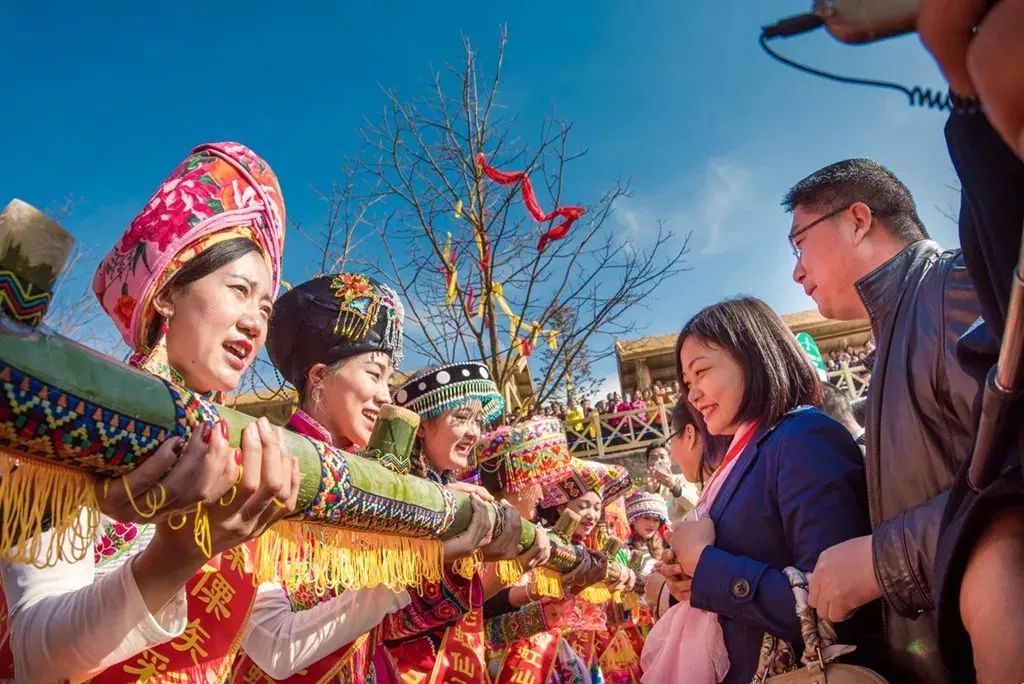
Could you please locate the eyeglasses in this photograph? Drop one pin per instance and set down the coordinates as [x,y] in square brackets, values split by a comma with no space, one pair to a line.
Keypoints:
[797,252]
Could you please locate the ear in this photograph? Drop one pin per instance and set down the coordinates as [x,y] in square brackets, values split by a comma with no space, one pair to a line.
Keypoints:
[315,374]
[863,219]
[690,433]
[163,303]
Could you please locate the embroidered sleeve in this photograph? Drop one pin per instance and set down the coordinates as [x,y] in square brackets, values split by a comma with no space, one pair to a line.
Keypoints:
[507,628]
[434,605]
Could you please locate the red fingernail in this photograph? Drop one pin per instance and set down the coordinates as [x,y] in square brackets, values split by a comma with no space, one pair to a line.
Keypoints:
[238,456]
[225,431]
[179,445]
[207,433]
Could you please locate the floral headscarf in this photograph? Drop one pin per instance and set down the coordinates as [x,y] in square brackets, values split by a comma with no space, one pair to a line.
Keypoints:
[220,192]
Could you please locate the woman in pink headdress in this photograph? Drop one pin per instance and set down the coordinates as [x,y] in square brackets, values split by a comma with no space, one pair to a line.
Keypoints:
[190,287]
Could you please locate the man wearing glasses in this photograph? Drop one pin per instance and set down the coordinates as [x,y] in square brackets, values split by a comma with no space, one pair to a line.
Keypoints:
[862,252]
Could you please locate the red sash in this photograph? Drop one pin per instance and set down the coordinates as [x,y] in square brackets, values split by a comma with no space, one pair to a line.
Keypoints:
[350,663]
[635,636]
[620,662]
[530,661]
[459,660]
[583,642]
[220,597]
[6,657]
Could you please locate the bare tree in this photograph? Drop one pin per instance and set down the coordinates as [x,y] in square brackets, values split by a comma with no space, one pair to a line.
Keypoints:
[439,215]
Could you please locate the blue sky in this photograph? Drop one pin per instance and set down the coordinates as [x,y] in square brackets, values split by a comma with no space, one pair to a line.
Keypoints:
[101,103]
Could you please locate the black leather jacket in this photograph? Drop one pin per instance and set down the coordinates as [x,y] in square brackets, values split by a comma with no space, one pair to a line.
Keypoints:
[918,433]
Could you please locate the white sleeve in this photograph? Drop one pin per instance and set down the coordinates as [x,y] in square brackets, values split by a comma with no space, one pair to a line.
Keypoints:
[282,641]
[67,624]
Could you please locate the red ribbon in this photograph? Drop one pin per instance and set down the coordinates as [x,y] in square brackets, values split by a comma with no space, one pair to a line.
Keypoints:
[570,214]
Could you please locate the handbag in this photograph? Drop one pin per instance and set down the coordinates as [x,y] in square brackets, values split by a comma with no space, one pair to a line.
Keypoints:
[777,663]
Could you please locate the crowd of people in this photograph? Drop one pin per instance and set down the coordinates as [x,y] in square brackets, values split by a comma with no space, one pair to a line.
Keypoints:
[849,356]
[785,547]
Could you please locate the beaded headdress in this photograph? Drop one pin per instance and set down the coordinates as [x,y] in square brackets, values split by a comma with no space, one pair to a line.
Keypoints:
[333,317]
[606,480]
[533,452]
[642,504]
[437,390]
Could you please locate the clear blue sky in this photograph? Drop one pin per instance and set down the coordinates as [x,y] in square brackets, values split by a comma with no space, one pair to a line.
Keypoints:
[101,103]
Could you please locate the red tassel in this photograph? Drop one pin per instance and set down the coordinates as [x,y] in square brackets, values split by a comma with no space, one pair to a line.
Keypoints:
[527,346]
[485,260]
[570,214]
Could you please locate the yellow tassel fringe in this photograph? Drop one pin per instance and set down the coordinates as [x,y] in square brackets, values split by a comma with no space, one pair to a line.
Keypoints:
[33,493]
[326,558]
[547,583]
[467,567]
[509,572]
[631,601]
[596,593]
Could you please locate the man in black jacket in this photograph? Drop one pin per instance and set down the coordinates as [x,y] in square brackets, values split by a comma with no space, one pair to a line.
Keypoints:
[862,252]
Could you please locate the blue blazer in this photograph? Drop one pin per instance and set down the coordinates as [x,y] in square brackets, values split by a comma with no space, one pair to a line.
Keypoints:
[797,489]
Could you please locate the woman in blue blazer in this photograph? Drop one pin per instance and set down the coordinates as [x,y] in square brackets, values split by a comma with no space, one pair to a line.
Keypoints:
[792,487]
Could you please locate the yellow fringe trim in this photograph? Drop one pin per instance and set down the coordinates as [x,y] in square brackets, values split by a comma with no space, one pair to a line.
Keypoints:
[596,593]
[33,493]
[547,583]
[509,572]
[327,558]
[468,566]
[631,601]
[617,597]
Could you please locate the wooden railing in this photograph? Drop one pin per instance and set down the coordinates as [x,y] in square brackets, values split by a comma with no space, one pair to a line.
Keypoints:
[608,434]
[853,379]
[600,435]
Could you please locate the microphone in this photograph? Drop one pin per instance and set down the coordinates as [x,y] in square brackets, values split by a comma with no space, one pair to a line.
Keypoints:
[851,21]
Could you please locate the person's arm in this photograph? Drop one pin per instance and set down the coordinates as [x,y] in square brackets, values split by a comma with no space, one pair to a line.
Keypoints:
[991,208]
[65,624]
[283,641]
[903,549]
[534,618]
[821,497]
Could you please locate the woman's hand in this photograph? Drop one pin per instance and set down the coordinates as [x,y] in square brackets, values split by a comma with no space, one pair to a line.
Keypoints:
[539,553]
[267,488]
[177,476]
[677,581]
[689,539]
[595,572]
[506,545]
[476,535]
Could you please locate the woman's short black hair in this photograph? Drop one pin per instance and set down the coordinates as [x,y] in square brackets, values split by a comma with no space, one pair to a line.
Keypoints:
[777,373]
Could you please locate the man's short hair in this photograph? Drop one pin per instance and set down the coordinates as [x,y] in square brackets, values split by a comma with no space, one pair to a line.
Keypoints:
[651,448]
[835,403]
[860,180]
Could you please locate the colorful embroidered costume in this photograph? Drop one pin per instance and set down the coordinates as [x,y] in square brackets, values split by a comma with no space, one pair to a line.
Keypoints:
[222,191]
[609,656]
[528,644]
[453,651]
[326,320]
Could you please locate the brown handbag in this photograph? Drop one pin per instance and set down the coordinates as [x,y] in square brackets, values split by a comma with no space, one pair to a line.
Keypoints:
[777,664]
